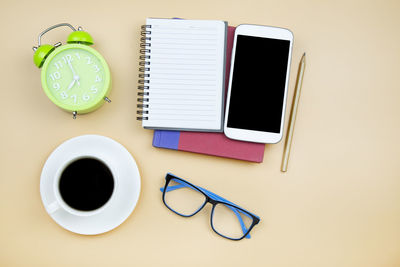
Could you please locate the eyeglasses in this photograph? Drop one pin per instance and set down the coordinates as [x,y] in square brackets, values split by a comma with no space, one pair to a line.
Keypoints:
[227,219]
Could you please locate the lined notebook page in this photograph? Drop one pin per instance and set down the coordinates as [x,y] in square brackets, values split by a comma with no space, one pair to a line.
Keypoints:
[186,74]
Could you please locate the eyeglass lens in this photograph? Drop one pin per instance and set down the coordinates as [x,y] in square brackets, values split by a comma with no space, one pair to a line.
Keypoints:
[182,198]
[230,221]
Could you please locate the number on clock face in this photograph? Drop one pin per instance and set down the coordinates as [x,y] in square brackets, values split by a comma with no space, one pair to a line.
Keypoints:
[75,77]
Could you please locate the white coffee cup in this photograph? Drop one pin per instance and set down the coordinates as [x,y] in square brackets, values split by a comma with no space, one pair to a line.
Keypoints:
[59,203]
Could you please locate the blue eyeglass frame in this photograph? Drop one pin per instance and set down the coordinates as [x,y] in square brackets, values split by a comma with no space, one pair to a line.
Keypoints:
[213,199]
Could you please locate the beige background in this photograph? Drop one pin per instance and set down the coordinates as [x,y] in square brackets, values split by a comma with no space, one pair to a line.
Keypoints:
[339,203]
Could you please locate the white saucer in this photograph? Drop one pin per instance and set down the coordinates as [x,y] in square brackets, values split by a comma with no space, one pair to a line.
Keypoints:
[127,193]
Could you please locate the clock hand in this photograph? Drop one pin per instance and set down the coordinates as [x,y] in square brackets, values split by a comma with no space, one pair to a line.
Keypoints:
[76,77]
[71,85]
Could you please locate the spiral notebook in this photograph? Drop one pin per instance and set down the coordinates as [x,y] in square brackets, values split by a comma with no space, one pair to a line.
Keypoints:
[182,75]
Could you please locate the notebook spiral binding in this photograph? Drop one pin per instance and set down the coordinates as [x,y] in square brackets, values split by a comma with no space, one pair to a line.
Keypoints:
[144,63]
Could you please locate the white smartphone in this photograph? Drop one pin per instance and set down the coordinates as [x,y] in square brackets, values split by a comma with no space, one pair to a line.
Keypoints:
[258,83]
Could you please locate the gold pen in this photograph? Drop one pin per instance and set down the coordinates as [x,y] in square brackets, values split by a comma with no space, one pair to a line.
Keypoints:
[293,112]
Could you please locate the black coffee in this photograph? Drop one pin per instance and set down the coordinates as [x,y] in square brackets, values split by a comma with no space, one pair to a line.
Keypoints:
[86,184]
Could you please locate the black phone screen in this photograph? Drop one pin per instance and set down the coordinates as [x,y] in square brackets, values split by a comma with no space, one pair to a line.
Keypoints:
[258,83]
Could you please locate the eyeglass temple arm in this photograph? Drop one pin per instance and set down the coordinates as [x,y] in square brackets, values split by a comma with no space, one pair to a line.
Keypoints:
[183,184]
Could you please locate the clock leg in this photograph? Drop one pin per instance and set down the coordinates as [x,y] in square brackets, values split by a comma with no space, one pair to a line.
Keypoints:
[74,114]
[107,99]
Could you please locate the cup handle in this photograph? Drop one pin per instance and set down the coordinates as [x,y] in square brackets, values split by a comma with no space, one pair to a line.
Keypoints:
[53,207]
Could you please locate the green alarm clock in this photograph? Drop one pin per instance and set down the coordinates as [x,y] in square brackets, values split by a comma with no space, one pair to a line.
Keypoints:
[74,76]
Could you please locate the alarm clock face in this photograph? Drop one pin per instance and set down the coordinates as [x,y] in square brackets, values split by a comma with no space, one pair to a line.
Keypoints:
[76,78]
